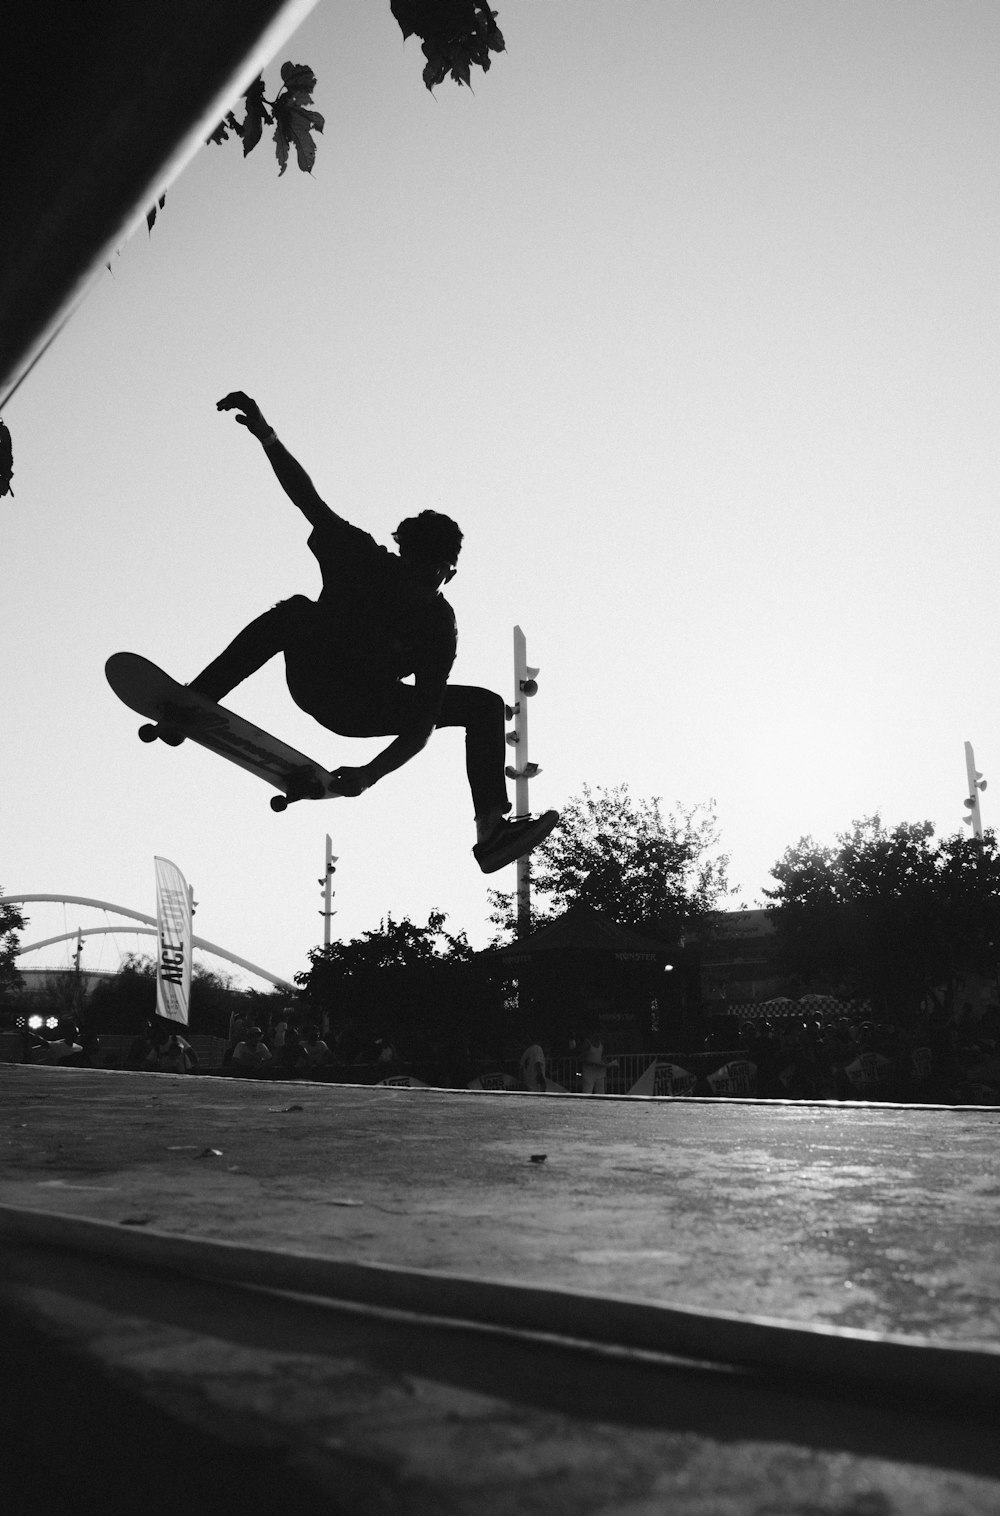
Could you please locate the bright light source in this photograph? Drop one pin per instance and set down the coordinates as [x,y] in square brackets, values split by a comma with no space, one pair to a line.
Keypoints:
[35,1022]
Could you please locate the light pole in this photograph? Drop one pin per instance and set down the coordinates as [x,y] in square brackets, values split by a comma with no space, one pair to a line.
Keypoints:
[522,770]
[976,783]
[328,891]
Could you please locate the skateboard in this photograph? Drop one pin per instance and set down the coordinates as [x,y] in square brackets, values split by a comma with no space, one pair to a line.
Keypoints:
[178,713]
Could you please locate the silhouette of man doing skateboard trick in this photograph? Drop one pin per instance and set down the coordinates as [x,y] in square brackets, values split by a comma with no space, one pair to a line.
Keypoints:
[380,618]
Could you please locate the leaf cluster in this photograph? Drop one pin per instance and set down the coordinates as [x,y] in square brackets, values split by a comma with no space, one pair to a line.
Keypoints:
[623,856]
[406,982]
[11,922]
[6,461]
[289,114]
[888,911]
[127,1000]
[395,945]
[456,36]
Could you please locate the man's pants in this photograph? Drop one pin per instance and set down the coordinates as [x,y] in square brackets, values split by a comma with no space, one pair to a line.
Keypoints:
[352,707]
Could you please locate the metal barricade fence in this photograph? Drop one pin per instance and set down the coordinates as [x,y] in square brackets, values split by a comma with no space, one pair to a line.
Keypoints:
[625,1069]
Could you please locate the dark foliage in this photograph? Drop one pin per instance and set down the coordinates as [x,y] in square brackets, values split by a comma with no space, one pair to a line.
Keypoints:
[456,35]
[125,1002]
[289,114]
[11,922]
[6,461]
[414,987]
[624,857]
[888,912]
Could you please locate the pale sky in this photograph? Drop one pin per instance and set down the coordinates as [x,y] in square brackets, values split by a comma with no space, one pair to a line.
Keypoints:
[689,314]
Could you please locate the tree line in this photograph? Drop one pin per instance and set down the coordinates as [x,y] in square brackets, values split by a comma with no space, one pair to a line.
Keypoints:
[890,914]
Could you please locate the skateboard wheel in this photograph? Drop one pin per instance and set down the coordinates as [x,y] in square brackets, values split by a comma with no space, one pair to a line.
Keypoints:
[279,802]
[148,733]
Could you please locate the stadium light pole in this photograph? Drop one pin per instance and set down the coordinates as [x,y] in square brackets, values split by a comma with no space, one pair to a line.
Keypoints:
[521,771]
[328,891]
[976,783]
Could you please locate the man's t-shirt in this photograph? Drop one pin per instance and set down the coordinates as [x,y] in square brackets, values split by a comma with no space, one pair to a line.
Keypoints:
[251,1055]
[379,623]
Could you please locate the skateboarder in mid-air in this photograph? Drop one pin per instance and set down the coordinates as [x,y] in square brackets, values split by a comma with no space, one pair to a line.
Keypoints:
[380,617]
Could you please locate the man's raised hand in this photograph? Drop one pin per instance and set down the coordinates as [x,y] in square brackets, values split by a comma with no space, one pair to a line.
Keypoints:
[251,416]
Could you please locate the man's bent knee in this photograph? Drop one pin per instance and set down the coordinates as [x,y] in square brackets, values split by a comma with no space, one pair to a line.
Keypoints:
[294,616]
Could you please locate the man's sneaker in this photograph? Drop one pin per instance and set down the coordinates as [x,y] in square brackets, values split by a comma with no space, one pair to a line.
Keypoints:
[510,840]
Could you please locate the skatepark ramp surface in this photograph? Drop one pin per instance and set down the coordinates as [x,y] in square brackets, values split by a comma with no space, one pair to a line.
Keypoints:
[431,1301]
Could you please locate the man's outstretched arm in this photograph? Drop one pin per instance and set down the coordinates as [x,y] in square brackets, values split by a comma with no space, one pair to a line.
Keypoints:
[289,473]
[354,781]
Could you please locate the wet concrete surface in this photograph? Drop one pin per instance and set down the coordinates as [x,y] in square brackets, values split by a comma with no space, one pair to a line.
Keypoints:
[876,1217]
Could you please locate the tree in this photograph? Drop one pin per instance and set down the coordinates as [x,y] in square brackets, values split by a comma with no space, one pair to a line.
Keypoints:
[126,1001]
[11,922]
[413,986]
[888,912]
[622,856]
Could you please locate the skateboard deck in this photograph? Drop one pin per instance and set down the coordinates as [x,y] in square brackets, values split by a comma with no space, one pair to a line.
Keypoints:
[179,713]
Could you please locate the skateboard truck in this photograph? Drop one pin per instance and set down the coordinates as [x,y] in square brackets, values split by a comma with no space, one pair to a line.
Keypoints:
[177,713]
[304,787]
[156,731]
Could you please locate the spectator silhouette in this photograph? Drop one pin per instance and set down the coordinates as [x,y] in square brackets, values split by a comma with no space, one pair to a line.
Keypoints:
[317,1052]
[251,1054]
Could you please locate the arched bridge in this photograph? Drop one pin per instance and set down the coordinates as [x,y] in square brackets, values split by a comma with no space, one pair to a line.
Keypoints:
[149,927]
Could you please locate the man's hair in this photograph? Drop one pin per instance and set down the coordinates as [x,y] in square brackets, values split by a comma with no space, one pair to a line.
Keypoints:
[431,535]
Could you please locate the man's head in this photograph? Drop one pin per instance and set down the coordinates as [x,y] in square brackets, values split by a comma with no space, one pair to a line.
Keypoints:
[430,543]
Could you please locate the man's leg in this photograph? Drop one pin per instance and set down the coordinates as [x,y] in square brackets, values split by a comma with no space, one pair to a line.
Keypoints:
[274,632]
[482,714]
[392,710]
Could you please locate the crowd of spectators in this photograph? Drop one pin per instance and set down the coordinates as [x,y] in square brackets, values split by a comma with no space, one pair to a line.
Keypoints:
[158,1047]
[941,1057]
[289,1045]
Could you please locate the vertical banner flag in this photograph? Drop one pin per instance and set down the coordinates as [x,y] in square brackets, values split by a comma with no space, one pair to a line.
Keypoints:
[173,931]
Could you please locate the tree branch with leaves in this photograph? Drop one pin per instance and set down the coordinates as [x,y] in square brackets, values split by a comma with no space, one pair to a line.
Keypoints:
[413,985]
[888,912]
[11,923]
[6,462]
[456,36]
[623,856]
[289,114]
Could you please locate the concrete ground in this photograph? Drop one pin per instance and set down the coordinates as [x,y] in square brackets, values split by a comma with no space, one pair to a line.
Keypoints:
[165,1391]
